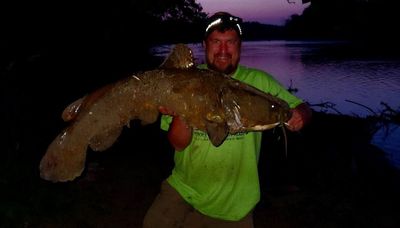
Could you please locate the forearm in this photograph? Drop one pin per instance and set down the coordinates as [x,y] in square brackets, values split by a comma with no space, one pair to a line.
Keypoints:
[179,134]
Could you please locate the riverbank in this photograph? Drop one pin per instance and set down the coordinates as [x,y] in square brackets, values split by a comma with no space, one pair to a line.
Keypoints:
[332,177]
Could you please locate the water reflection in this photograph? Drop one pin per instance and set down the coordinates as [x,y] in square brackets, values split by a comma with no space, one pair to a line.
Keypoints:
[328,72]
[387,138]
[323,72]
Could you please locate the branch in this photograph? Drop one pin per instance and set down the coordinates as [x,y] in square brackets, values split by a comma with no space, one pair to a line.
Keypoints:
[329,105]
[368,108]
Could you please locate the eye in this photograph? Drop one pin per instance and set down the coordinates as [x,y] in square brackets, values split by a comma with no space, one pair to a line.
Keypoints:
[232,42]
[215,42]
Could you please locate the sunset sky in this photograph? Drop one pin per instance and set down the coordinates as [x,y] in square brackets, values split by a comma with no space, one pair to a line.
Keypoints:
[264,11]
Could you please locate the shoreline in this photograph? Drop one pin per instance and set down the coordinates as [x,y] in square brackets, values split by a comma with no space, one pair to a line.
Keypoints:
[332,176]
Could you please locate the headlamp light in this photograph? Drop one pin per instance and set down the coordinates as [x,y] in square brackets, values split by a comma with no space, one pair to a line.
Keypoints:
[223,21]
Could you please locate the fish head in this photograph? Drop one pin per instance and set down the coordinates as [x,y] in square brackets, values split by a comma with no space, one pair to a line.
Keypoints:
[249,109]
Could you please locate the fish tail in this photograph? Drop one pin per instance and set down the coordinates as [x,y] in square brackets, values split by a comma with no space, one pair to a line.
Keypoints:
[64,159]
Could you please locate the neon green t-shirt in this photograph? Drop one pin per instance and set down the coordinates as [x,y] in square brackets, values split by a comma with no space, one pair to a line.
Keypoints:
[222,182]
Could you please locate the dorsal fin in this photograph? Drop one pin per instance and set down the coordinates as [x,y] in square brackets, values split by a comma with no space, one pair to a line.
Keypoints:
[181,57]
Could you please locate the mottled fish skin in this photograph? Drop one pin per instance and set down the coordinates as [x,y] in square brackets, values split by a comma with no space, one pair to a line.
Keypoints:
[206,100]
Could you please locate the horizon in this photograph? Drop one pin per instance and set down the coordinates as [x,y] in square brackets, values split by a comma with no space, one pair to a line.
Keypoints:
[274,12]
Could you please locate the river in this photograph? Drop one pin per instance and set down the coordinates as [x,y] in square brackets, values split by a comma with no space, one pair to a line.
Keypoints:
[349,81]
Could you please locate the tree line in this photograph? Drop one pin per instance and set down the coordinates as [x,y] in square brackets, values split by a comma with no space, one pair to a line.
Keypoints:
[133,23]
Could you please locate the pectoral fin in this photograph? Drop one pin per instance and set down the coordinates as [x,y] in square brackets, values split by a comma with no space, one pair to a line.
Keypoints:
[217,132]
[72,110]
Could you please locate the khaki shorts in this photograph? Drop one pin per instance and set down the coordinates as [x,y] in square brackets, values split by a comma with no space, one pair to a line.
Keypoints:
[169,209]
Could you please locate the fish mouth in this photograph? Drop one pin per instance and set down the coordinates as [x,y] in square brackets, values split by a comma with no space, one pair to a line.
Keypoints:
[264,127]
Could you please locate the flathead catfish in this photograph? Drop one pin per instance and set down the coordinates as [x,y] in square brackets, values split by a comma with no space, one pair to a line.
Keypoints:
[206,100]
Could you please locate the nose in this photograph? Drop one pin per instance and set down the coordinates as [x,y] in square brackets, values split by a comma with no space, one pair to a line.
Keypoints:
[223,47]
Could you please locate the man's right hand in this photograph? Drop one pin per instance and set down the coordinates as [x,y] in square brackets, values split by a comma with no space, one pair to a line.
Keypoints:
[179,133]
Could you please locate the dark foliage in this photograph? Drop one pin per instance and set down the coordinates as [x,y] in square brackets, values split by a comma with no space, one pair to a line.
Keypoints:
[373,22]
[53,52]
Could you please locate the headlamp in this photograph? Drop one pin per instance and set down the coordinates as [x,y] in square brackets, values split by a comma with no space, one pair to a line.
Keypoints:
[224,21]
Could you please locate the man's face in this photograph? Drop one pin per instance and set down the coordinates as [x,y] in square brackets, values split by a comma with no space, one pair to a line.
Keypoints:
[223,51]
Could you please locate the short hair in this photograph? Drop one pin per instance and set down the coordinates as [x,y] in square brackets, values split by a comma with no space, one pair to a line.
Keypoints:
[223,21]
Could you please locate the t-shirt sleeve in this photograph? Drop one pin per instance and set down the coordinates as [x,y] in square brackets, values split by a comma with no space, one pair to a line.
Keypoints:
[269,84]
[276,89]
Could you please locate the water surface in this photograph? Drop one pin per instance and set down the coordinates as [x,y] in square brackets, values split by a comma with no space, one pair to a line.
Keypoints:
[322,76]
[352,82]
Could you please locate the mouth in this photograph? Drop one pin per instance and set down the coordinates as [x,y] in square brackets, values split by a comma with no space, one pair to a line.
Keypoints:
[222,62]
[223,57]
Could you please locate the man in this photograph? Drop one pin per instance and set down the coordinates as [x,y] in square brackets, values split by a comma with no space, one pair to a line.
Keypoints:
[217,186]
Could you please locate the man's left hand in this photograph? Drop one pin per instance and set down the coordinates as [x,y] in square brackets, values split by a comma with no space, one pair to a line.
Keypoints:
[301,115]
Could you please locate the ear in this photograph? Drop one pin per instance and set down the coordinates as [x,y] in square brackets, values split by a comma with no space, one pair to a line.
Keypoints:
[204,43]
[217,132]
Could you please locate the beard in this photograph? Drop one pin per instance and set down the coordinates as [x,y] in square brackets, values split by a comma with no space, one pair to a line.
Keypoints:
[229,69]
[223,68]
